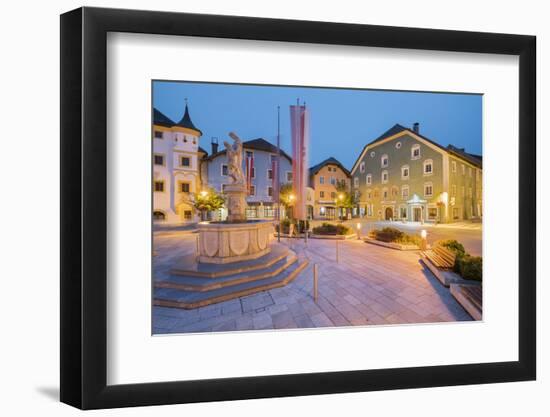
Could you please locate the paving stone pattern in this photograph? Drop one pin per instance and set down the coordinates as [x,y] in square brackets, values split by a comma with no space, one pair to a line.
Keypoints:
[370,285]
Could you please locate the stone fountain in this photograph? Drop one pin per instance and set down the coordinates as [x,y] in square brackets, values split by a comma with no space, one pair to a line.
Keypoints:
[234,258]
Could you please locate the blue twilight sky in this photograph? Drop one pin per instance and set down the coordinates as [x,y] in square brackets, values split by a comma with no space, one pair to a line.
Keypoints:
[342,121]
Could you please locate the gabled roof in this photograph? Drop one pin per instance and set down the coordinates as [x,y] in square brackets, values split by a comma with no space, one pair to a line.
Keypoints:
[329,161]
[397,128]
[474,159]
[203,151]
[161,119]
[186,121]
[259,144]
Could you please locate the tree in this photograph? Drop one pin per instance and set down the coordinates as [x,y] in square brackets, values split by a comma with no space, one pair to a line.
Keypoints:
[344,199]
[285,195]
[208,200]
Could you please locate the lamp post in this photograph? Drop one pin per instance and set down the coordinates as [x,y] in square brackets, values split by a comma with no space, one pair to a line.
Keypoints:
[423,241]
[358,231]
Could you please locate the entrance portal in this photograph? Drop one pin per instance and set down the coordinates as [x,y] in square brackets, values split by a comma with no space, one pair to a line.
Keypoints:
[389,213]
[417,214]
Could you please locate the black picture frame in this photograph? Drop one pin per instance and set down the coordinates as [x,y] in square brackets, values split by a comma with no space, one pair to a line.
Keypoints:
[84,207]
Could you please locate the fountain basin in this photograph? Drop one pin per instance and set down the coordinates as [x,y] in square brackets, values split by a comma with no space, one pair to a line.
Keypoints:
[221,243]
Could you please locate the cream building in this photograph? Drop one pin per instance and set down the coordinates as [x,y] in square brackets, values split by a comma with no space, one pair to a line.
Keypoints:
[176,168]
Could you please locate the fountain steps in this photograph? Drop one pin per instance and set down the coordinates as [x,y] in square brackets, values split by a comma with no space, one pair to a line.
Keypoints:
[169,293]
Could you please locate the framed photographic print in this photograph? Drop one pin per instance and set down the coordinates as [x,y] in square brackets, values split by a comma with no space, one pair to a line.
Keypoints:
[258,207]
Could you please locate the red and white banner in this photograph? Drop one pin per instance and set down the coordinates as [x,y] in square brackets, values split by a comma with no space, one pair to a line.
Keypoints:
[299,126]
[249,172]
[275,178]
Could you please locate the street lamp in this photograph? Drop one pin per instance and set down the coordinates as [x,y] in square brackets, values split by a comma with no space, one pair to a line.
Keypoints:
[423,242]
[358,230]
[204,193]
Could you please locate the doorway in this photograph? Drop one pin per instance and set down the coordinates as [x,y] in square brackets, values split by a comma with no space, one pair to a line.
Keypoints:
[417,214]
[388,213]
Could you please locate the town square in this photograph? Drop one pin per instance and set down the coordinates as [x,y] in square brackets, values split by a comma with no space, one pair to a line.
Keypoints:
[289,230]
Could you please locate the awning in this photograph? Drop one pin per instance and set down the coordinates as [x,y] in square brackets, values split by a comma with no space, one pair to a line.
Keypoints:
[416,200]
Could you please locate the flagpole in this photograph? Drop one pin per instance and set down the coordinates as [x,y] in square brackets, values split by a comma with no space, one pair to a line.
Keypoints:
[277,182]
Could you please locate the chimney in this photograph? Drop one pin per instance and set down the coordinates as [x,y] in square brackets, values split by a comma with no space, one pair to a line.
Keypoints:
[416,127]
[214,143]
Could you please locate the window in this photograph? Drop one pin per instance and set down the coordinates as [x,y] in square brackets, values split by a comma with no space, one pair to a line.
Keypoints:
[269,174]
[184,187]
[249,154]
[356,182]
[385,177]
[453,166]
[369,194]
[384,161]
[372,154]
[321,180]
[405,172]
[333,195]
[322,211]
[369,210]
[270,191]
[356,195]
[289,176]
[384,193]
[185,161]
[432,213]
[225,170]
[159,186]
[187,214]
[376,193]
[428,167]
[415,152]
[321,194]
[252,190]
[463,170]
[456,213]
[453,190]
[398,145]
[159,159]
[428,189]
[158,134]
[405,191]
[185,139]
[403,212]
[394,191]
[158,215]
[333,180]
[369,179]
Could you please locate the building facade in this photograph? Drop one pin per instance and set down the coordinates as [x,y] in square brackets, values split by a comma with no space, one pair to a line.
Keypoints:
[261,199]
[324,179]
[176,168]
[405,176]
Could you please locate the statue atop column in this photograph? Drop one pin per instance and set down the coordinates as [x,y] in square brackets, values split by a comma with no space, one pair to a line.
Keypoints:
[236,191]
[235,159]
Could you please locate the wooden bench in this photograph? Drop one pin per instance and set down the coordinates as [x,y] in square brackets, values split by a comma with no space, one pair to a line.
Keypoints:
[441,257]
[470,296]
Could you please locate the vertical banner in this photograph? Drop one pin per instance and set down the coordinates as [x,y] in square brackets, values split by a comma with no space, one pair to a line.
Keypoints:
[275,179]
[299,125]
[249,172]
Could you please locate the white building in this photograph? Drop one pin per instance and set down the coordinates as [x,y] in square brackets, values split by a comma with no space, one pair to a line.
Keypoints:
[176,168]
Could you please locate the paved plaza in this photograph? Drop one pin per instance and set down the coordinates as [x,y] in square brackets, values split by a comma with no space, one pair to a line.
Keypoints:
[370,285]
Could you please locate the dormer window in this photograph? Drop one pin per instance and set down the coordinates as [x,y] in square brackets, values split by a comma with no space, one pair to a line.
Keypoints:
[415,152]
[384,161]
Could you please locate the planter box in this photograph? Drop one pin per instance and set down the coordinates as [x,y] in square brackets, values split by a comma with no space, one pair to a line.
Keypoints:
[333,237]
[391,245]
[446,277]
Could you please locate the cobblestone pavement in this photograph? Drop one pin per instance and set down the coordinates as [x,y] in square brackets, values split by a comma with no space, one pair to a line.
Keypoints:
[370,285]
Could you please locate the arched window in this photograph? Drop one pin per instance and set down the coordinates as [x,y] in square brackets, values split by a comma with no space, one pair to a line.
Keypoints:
[158,215]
